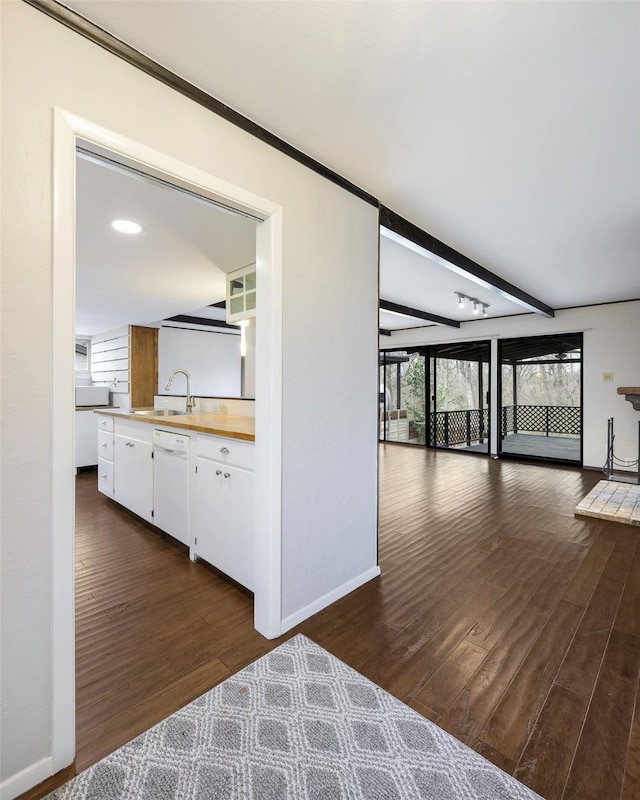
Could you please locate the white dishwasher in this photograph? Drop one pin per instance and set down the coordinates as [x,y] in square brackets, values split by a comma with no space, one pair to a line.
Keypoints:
[171,483]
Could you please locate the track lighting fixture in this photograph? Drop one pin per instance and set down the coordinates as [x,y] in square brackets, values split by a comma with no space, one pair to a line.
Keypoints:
[477,304]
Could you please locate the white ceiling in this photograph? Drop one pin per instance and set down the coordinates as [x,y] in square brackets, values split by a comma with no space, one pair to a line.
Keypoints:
[176,264]
[412,280]
[510,131]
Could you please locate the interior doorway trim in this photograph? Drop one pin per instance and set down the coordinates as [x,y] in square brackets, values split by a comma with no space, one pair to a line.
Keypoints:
[69,131]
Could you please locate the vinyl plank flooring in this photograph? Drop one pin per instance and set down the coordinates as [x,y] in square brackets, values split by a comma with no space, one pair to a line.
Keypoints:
[547,595]
[631,785]
[114,731]
[510,724]
[445,684]
[628,618]
[599,764]
[429,713]
[488,630]
[468,714]
[546,759]
[415,653]
[462,541]
[584,581]
[581,665]
[493,755]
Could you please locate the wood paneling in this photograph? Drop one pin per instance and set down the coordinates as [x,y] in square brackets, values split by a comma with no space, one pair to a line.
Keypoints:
[499,615]
[143,365]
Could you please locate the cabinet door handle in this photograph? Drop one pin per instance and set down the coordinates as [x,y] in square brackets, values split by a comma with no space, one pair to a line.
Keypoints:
[218,472]
[104,474]
[227,474]
[104,444]
[224,450]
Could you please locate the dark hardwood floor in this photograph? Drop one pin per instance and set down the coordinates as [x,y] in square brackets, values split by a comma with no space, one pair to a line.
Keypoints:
[499,615]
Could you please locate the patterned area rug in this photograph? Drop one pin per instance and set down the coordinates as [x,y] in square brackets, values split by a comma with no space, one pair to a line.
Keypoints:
[298,724]
[613,500]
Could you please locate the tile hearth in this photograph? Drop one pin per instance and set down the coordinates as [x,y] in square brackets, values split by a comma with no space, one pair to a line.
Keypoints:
[612,500]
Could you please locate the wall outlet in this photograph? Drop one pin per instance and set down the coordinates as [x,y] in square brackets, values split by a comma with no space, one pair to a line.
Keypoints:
[164,402]
[607,376]
[222,408]
[215,407]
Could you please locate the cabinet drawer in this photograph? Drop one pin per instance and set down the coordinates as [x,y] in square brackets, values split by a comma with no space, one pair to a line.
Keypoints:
[234,452]
[105,445]
[130,429]
[105,423]
[105,477]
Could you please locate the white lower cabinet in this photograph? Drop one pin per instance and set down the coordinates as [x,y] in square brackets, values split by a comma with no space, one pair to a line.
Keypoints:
[105,455]
[105,476]
[223,529]
[86,439]
[133,467]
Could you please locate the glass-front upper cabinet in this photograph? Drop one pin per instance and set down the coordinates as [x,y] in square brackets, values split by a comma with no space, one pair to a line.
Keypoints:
[241,294]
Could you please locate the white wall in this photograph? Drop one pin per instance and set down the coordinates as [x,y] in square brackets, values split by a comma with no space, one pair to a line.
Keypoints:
[211,358]
[329,451]
[611,336]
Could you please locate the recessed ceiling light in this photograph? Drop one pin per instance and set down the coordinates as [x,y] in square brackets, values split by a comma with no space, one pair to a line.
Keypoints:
[126,226]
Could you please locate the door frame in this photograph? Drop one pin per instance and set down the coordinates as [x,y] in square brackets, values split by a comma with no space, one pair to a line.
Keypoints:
[499,404]
[68,131]
[431,352]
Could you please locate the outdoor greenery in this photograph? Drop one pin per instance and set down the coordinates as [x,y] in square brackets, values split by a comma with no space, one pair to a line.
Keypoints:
[457,386]
[543,384]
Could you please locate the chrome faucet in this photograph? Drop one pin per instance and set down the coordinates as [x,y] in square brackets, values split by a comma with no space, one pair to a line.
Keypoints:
[190,401]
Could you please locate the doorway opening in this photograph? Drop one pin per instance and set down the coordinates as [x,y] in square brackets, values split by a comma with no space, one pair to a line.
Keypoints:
[541,398]
[70,132]
[149,622]
[437,396]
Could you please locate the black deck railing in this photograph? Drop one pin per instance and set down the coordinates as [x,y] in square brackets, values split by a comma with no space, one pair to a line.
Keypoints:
[450,428]
[541,419]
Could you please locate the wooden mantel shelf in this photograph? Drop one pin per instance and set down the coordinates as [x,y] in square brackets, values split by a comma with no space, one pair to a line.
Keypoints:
[632,394]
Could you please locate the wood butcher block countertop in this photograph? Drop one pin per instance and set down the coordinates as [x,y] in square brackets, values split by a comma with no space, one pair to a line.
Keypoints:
[230,425]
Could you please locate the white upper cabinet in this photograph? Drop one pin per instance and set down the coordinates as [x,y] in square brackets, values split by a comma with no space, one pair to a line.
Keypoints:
[241,294]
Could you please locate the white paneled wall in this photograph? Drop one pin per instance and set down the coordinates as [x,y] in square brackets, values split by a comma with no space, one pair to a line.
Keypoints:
[110,359]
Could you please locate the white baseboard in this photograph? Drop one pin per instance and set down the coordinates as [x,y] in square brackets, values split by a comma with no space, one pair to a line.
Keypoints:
[26,779]
[322,602]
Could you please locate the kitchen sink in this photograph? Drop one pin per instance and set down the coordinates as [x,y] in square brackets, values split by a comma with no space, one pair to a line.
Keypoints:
[158,412]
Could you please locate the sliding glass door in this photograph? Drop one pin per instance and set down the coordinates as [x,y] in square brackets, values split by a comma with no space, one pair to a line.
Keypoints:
[436,396]
[541,397]
[459,391]
[402,396]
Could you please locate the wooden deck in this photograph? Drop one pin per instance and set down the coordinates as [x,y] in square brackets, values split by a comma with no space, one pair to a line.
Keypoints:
[528,444]
[499,615]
